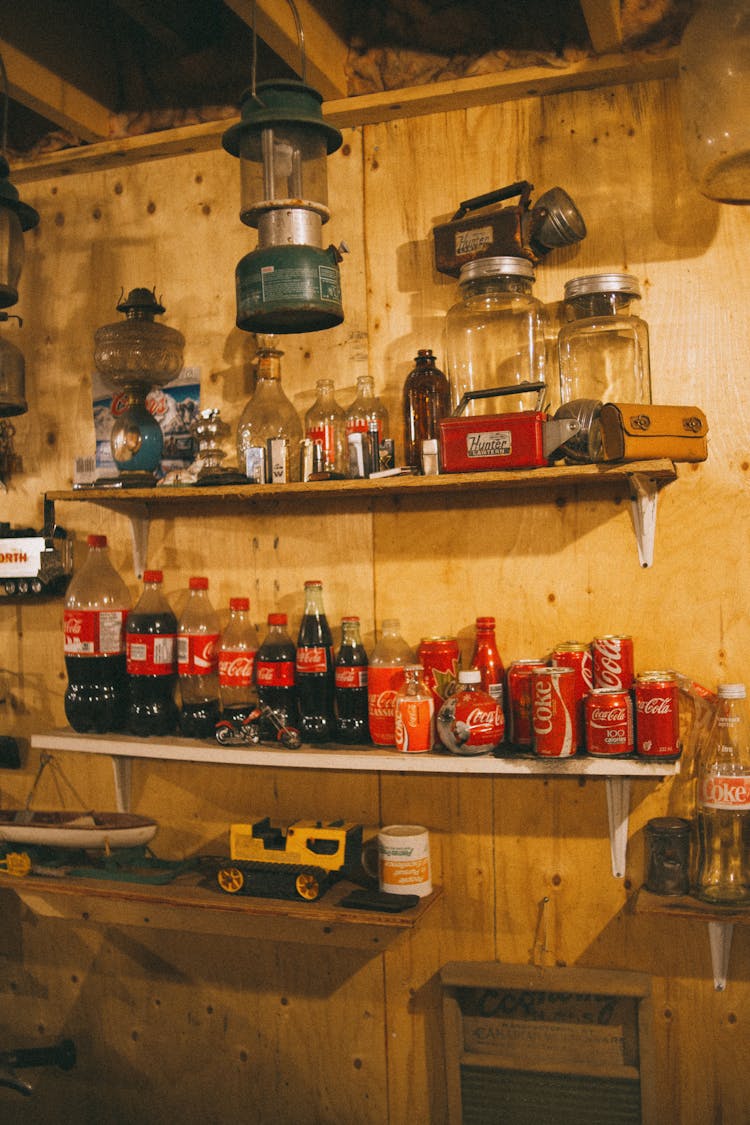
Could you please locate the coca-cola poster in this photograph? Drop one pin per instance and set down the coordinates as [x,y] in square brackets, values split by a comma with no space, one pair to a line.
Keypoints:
[174,406]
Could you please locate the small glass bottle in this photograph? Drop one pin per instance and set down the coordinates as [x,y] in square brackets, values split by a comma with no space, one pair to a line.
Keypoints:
[603,348]
[724,803]
[325,424]
[366,415]
[350,674]
[414,713]
[426,399]
[495,336]
[269,413]
[487,660]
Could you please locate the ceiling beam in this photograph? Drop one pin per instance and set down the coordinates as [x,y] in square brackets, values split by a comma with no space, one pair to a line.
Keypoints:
[37,88]
[604,24]
[325,51]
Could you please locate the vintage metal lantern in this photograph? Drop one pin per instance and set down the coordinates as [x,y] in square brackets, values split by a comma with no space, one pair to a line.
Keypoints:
[290,283]
[134,355]
[16,217]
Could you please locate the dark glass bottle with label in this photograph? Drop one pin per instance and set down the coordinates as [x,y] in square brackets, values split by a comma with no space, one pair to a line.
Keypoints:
[274,675]
[315,673]
[350,677]
[426,400]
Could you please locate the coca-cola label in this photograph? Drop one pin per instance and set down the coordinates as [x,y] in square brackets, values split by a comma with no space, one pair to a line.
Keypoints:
[609,724]
[731,793]
[348,678]
[197,653]
[94,632]
[312,659]
[274,673]
[553,715]
[414,725]
[613,663]
[324,435]
[236,667]
[151,654]
[383,685]
[484,721]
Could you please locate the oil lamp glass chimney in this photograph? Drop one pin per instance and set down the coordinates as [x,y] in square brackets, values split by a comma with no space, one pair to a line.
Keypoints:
[134,355]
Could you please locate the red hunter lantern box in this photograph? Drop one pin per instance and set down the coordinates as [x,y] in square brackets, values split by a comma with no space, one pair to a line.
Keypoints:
[493,441]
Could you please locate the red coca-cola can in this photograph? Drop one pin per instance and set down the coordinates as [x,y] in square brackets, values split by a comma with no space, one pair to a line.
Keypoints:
[657,715]
[576,655]
[609,723]
[520,730]
[613,663]
[553,713]
[439,658]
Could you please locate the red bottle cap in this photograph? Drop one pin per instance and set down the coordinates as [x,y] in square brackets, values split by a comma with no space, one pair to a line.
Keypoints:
[239,603]
[97,541]
[277,619]
[485,623]
[198,584]
[153,576]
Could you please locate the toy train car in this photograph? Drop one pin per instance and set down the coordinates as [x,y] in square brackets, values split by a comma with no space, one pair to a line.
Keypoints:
[300,863]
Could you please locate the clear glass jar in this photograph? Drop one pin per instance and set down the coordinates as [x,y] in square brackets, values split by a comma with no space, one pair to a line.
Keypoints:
[714,96]
[269,413]
[495,336]
[603,348]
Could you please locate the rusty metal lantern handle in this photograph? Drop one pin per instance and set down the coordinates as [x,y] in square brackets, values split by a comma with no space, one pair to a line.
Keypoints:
[300,40]
[522,188]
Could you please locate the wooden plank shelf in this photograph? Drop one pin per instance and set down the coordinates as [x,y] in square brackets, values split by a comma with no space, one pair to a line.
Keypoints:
[189,905]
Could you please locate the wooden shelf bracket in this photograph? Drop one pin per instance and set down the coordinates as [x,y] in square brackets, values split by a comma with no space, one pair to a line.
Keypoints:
[643,494]
[720,940]
[618,807]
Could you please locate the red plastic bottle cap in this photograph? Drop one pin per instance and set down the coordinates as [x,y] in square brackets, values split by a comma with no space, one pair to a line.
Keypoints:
[277,619]
[343,619]
[153,576]
[239,603]
[485,623]
[313,582]
[198,583]
[97,541]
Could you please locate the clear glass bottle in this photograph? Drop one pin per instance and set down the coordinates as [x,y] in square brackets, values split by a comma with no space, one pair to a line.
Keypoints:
[495,336]
[366,410]
[426,399]
[325,424]
[414,713]
[723,803]
[714,72]
[269,413]
[603,348]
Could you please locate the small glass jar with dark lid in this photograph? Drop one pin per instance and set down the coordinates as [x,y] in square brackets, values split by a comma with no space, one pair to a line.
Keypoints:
[603,348]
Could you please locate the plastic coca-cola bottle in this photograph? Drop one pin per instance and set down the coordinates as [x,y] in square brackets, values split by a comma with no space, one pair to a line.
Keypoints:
[96,608]
[385,678]
[350,676]
[237,649]
[315,673]
[471,721]
[198,662]
[486,658]
[151,650]
[275,678]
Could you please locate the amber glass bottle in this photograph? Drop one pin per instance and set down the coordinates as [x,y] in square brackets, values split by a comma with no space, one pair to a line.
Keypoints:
[426,400]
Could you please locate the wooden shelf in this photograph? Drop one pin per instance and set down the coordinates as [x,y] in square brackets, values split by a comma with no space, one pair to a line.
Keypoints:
[189,905]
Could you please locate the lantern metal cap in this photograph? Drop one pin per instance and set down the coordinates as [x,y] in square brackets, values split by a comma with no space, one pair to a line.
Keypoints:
[9,198]
[280,101]
[143,301]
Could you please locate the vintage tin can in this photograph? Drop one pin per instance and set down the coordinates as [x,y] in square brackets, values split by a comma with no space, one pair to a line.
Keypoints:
[576,655]
[518,683]
[440,660]
[657,715]
[613,662]
[609,723]
[553,712]
[668,856]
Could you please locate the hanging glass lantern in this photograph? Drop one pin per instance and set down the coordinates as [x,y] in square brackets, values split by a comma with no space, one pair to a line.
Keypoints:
[15,218]
[134,355]
[290,283]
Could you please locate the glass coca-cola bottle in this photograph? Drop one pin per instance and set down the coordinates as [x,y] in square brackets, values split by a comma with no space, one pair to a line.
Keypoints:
[315,673]
[325,425]
[151,639]
[198,662]
[275,677]
[269,413]
[350,676]
[237,649]
[414,713]
[96,608]
[426,399]
[486,658]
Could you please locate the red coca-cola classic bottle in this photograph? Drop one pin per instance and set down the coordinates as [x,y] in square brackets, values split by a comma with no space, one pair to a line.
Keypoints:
[315,672]
[151,636]
[350,675]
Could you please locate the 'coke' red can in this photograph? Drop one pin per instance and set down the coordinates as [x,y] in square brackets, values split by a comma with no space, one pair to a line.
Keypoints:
[609,723]
[439,659]
[657,715]
[520,730]
[613,663]
[575,655]
[554,714]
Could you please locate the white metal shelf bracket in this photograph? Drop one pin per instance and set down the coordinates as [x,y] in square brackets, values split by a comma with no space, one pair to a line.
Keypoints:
[123,774]
[618,807]
[720,938]
[643,493]
[139,534]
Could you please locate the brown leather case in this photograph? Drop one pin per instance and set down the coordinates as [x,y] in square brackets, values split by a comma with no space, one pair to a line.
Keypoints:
[640,431]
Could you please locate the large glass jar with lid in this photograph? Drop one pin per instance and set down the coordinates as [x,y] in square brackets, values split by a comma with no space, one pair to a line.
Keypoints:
[494,336]
[269,413]
[603,347]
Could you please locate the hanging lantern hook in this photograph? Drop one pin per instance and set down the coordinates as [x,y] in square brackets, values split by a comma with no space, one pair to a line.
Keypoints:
[300,40]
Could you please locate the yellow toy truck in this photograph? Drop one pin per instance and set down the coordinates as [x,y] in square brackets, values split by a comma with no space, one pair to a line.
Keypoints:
[300,863]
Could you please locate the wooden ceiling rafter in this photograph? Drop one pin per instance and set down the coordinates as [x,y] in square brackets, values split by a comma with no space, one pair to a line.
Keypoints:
[604,23]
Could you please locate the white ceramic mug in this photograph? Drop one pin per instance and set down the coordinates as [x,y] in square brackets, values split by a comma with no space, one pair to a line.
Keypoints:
[403,852]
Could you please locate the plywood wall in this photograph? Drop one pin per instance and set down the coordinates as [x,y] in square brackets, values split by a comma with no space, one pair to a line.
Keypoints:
[177,1025]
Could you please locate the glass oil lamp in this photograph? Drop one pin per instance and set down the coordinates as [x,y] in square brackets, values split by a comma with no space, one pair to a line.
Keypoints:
[134,355]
